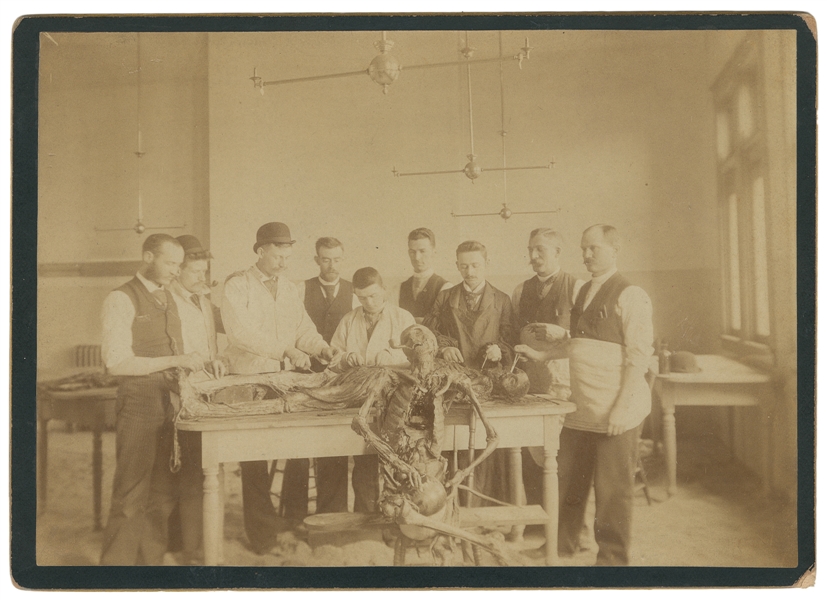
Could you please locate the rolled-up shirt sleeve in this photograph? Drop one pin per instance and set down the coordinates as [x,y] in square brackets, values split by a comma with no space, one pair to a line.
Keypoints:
[635,309]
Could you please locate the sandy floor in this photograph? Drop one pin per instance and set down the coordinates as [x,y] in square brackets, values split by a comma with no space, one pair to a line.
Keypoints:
[716,519]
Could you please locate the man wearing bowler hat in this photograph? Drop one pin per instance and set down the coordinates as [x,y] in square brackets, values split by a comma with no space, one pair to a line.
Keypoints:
[268,330]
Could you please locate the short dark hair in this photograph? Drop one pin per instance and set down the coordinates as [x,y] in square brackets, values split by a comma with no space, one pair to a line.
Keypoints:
[422,233]
[472,246]
[548,233]
[366,277]
[194,256]
[328,242]
[610,234]
[154,242]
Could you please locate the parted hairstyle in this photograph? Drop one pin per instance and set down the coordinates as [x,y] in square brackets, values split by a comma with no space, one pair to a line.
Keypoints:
[610,234]
[366,277]
[422,233]
[156,241]
[472,246]
[329,243]
[549,234]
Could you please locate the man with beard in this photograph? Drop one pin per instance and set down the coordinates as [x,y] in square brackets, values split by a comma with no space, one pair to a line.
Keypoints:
[143,346]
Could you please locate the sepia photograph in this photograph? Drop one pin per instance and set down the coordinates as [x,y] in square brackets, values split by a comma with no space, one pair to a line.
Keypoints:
[399,292]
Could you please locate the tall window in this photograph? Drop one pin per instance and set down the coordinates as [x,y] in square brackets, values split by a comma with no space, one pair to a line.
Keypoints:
[741,157]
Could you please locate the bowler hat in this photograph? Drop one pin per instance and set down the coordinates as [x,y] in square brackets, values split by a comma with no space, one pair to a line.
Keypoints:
[683,362]
[191,245]
[272,233]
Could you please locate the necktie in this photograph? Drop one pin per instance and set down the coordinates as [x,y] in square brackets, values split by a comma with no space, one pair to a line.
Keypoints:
[418,286]
[196,300]
[272,285]
[161,297]
[471,300]
[329,292]
[544,287]
[371,320]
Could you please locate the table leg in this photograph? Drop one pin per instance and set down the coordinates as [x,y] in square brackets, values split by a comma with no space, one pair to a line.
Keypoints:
[515,466]
[551,486]
[213,531]
[42,470]
[97,472]
[670,446]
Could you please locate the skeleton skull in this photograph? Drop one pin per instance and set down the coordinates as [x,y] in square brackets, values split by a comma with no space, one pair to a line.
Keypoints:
[418,343]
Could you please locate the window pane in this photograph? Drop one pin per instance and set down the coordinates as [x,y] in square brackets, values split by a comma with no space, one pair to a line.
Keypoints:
[746,121]
[722,126]
[759,239]
[734,266]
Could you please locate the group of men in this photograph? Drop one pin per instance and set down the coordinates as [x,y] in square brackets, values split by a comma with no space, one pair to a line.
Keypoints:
[591,341]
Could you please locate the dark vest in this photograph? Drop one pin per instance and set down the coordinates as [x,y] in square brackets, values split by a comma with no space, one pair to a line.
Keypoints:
[600,320]
[156,330]
[554,308]
[423,303]
[326,316]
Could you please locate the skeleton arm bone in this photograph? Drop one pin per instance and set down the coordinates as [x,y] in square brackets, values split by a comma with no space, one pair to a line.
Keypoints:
[491,437]
[360,426]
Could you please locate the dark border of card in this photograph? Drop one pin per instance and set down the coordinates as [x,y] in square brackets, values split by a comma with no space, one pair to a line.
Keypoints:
[24,569]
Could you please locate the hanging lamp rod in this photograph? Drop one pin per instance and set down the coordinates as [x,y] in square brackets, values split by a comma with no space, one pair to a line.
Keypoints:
[384,45]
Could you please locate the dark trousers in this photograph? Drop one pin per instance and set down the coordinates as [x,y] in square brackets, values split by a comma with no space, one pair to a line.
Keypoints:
[331,484]
[186,520]
[609,461]
[261,522]
[532,479]
[144,490]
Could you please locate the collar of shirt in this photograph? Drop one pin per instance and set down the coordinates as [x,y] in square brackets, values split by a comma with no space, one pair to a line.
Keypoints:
[149,285]
[601,279]
[335,284]
[261,275]
[424,275]
[180,290]
[547,277]
[372,318]
[477,290]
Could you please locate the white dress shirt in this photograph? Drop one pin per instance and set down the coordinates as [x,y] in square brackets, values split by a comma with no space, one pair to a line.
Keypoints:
[351,336]
[598,367]
[260,328]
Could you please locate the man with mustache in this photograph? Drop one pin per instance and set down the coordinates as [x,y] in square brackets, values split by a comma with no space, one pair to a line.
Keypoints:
[327,298]
[474,325]
[143,346]
[609,351]
[198,331]
[545,299]
[269,330]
